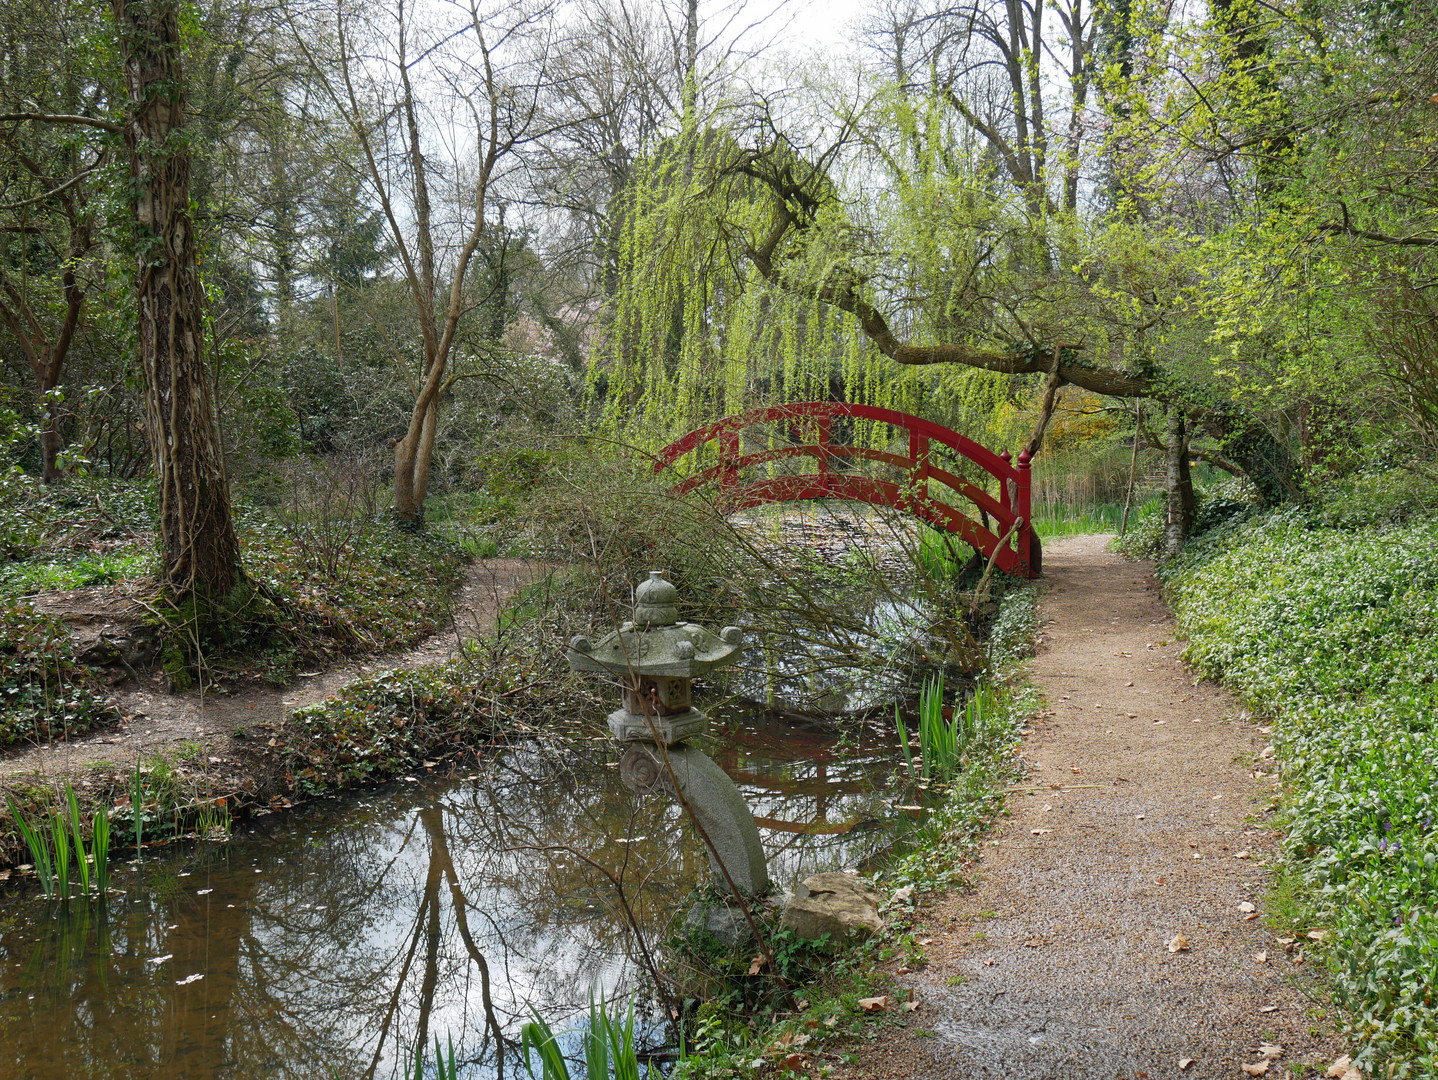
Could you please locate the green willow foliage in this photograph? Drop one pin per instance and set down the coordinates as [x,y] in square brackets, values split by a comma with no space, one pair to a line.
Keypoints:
[696,332]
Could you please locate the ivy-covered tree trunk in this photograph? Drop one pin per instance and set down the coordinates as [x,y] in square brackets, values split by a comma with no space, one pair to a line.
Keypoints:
[1181,502]
[201,554]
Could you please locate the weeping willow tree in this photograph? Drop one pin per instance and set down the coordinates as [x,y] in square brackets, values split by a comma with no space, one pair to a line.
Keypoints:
[891,272]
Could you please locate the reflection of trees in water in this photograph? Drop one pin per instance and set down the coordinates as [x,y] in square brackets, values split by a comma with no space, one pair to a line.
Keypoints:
[373,925]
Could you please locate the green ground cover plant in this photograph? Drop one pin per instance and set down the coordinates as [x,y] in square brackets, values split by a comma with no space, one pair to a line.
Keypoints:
[45,693]
[1333,632]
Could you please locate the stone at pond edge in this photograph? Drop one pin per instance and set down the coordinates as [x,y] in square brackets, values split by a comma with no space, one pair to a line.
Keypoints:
[840,905]
[726,924]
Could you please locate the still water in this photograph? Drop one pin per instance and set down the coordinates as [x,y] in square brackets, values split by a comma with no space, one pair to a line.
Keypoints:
[328,941]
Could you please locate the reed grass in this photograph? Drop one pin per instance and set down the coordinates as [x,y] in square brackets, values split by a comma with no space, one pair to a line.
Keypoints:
[39,846]
[81,863]
[137,813]
[944,743]
[61,843]
[57,838]
[443,1069]
[608,1047]
[100,848]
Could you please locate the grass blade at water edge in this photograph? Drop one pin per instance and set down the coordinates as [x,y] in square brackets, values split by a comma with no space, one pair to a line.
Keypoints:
[39,849]
[538,1035]
[81,863]
[62,855]
[100,838]
[904,741]
[137,799]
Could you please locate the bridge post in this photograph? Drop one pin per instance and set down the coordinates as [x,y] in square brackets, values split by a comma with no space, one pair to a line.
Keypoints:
[728,461]
[919,466]
[1023,507]
[824,425]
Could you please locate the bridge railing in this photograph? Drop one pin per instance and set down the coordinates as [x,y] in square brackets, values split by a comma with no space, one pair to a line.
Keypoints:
[1009,512]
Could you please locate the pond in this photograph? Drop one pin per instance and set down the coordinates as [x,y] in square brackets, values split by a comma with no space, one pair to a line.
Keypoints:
[327,941]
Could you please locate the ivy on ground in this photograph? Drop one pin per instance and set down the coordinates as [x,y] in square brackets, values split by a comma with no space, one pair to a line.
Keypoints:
[44,693]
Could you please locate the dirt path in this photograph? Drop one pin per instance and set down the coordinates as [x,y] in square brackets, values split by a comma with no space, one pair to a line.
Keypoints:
[1147,798]
[203,726]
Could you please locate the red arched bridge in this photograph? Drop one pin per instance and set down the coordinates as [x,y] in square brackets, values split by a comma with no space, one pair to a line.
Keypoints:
[1006,536]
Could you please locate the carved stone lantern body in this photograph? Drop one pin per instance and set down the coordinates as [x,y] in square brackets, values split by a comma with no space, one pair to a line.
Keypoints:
[656,657]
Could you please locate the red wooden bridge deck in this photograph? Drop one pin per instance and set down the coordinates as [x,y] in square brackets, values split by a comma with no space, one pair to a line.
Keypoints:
[1009,541]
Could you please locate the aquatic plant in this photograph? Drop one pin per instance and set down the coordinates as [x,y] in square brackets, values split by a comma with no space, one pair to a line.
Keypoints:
[137,799]
[39,847]
[73,825]
[100,848]
[57,837]
[943,743]
[608,1047]
[443,1069]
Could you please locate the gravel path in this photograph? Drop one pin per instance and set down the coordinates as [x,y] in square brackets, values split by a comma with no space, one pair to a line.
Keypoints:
[1145,820]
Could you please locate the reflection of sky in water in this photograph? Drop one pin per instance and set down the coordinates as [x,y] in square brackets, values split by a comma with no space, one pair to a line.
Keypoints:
[331,939]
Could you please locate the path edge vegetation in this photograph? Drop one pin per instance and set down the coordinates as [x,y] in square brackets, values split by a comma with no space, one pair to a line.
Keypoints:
[1323,619]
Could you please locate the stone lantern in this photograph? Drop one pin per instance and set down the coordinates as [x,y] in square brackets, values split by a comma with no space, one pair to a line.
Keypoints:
[656,656]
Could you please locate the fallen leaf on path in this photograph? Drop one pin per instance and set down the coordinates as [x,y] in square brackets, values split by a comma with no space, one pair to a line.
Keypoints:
[1040,832]
[1259,1069]
[1178,944]
[1351,1074]
[1240,854]
[1128,684]
[1339,1067]
[909,1006]
[1271,1051]
[831,1022]
[1033,943]
[1318,935]
[988,963]
[792,1063]
[756,965]
[875,1004]
[1268,1008]
[1261,957]
[1246,907]
[1184,1064]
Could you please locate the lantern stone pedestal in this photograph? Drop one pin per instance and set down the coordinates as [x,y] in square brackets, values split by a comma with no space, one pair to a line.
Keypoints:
[717,805]
[656,657]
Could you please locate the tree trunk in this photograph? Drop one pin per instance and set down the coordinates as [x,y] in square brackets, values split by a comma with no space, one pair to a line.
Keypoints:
[1181,501]
[200,552]
[50,427]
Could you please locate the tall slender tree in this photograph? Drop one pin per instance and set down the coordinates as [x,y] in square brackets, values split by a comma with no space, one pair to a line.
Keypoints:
[200,551]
